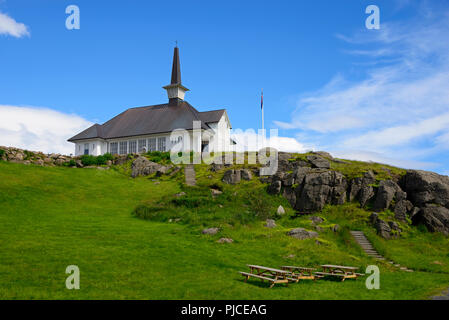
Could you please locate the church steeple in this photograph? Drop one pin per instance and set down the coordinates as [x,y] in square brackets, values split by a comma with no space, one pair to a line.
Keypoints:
[175,90]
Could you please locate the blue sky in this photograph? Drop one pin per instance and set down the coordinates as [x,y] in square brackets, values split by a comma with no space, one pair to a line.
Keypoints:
[329,83]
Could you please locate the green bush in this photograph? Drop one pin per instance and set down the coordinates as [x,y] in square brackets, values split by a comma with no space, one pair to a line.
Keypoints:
[149,213]
[88,160]
[157,156]
[2,153]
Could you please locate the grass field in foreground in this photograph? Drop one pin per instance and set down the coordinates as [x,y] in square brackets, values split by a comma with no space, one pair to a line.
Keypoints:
[52,217]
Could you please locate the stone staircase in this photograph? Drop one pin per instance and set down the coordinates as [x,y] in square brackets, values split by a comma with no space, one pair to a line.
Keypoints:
[366,245]
[189,173]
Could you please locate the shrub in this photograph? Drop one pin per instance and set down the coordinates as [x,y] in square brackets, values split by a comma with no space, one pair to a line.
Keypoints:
[88,160]
[71,163]
[149,213]
[157,156]
[259,205]
[2,153]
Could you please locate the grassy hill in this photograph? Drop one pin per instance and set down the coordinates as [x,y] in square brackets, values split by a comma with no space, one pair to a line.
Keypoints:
[52,217]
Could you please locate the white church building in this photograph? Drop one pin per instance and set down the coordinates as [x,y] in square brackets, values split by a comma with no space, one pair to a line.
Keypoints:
[172,126]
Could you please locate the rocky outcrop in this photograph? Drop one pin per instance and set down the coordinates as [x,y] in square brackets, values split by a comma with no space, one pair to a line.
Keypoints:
[424,187]
[319,189]
[235,176]
[144,167]
[361,188]
[17,155]
[318,162]
[434,217]
[387,192]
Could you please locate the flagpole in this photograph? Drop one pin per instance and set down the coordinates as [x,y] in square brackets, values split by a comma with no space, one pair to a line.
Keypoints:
[261,105]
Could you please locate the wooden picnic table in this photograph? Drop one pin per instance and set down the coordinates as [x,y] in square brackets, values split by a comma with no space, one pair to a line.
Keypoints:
[343,272]
[300,273]
[269,274]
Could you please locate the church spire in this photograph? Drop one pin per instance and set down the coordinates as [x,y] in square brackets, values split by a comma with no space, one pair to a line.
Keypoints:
[176,69]
[175,90]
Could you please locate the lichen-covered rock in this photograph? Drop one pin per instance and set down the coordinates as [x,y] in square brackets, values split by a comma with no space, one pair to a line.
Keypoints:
[225,240]
[302,234]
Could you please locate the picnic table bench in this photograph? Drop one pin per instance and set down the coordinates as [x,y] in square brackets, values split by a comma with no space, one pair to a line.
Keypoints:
[300,273]
[269,274]
[343,272]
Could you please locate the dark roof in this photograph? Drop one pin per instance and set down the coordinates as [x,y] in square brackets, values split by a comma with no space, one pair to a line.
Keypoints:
[150,120]
[212,116]
[176,68]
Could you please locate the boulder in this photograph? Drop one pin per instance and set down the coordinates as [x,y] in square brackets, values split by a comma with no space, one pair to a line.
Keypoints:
[290,195]
[270,223]
[59,162]
[434,217]
[301,233]
[323,154]
[316,220]
[387,191]
[373,218]
[401,209]
[246,174]
[225,240]
[144,167]
[39,162]
[215,192]
[232,176]
[210,231]
[319,189]
[280,211]
[361,188]
[383,229]
[318,162]
[274,187]
[424,187]
[48,160]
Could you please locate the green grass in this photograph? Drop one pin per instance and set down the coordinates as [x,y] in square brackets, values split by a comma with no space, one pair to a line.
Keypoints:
[52,217]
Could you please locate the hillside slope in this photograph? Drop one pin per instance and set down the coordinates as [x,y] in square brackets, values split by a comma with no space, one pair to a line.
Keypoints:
[52,217]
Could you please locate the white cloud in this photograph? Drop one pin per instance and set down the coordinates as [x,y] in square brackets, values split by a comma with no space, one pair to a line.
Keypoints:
[39,129]
[399,110]
[250,141]
[9,26]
